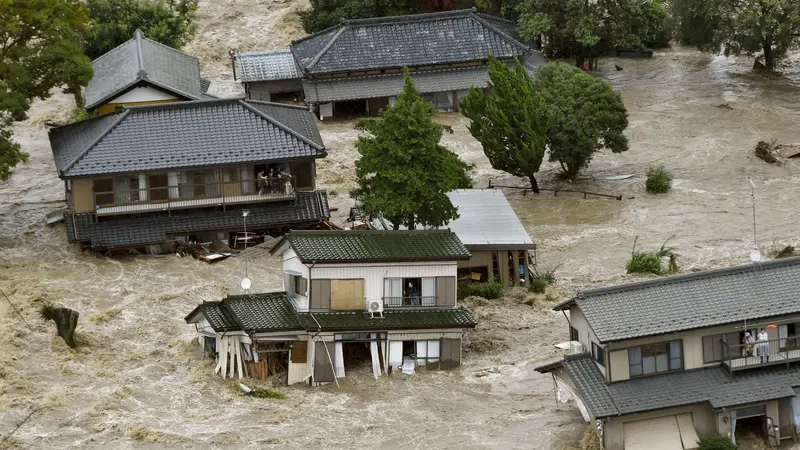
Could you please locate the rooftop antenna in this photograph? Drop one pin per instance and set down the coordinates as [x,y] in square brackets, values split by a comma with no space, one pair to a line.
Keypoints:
[755,255]
[246,283]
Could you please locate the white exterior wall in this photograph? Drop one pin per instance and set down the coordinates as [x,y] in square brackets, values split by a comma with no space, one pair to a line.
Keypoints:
[373,274]
[291,263]
[143,94]
[585,334]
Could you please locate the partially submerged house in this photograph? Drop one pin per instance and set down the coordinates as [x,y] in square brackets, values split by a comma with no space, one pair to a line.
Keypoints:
[142,71]
[356,67]
[351,297]
[658,364]
[499,245]
[143,175]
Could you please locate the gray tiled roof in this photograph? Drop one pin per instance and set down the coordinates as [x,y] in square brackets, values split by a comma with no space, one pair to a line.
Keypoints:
[143,60]
[267,66]
[693,300]
[374,245]
[276,312]
[185,134]
[145,229]
[711,385]
[415,40]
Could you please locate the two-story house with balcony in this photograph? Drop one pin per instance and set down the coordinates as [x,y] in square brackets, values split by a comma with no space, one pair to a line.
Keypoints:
[356,67]
[385,298]
[142,71]
[658,364]
[143,175]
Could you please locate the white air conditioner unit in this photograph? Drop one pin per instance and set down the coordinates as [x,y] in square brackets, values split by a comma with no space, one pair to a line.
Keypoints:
[575,348]
[375,307]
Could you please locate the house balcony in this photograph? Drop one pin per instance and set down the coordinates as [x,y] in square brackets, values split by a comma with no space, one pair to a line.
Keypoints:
[760,354]
[409,302]
[188,195]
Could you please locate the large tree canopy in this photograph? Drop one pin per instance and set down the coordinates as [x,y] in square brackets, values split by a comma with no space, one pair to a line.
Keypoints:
[510,121]
[112,22]
[585,115]
[403,172]
[39,50]
[586,30]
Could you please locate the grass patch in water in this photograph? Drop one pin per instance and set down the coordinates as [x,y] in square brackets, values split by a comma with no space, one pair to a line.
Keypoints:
[659,181]
[266,393]
[653,262]
[540,281]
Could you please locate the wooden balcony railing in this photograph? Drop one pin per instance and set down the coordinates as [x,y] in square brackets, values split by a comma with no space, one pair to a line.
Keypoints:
[409,302]
[762,353]
[190,195]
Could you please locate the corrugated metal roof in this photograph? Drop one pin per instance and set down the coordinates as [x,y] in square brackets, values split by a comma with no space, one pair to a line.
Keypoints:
[143,60]
[694,300]
[267,66]
[486,218]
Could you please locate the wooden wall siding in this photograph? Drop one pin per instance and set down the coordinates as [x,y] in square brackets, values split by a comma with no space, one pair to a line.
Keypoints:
[320,294]
[83,195]
[347,295]
[111,107]
[428,336]
[261,90]
[299,352]
[445,291]
[450,353]
[323,369]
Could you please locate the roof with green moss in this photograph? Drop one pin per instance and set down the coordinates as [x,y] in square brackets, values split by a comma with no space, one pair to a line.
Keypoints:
[314,246]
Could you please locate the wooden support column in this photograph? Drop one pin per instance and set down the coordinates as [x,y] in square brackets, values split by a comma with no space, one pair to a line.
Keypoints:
[515,256]
[502,259]
[490,271]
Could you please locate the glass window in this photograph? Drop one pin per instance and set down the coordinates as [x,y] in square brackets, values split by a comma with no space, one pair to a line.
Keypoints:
[104,191]
[599,354]
[427,353]
[655,358]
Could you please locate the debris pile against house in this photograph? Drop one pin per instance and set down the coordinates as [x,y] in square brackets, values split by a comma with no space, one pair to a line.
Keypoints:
[775,153]
[386,298]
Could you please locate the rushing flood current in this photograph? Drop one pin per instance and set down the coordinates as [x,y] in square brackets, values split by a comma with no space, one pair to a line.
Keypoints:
[138,377]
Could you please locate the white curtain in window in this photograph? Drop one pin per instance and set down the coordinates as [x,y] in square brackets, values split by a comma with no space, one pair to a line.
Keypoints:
[392,287]
[173,180]
[783,333]
[429,287]
[122,190]
[142,187]
[433,351]
[338,360]
[395,353]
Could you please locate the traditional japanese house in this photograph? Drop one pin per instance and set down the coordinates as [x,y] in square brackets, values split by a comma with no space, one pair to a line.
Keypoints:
[658,364]
[144,175]
[387,297]
[356,67]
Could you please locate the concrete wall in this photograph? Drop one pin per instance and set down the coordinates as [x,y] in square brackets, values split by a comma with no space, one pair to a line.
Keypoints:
[703,417]
[261,90]
[83,195]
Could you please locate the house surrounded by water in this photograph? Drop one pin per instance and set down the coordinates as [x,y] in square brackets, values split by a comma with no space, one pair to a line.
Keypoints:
[379,299]
[356,67]
[658,364]
[142,71]
[143,175]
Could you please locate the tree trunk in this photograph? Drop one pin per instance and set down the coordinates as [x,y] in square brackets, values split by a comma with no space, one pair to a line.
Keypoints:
[534,184]
[769,58]
[66,321]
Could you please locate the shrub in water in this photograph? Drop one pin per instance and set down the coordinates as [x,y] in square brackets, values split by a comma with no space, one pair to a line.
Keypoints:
[653,262]
[490,290]
[539,282]
[659,181]
[716,443]
[266,393]
[464,290]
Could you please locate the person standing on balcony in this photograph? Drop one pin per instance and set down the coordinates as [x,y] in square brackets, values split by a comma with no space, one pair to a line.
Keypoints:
[413,294]
[262,182]
[763,345]
[748,342]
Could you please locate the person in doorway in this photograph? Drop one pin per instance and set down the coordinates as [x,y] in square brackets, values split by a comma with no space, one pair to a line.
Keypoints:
[748,342]
[262,182]
[413,294]
[285,181]
[763,345]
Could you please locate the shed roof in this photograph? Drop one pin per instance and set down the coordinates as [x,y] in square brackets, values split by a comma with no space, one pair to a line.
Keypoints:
[267,66]
[143,60]
[275,311]
[183,135]
[694,300]
[413,40]
[486,220]
[373,246]
[712,385]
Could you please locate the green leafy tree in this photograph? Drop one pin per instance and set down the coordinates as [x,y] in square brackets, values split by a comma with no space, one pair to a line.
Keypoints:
[586,30]
[327,13]
[39,50]
[112,22]
[695,22]
[510,121]
[585,115]
[403,172]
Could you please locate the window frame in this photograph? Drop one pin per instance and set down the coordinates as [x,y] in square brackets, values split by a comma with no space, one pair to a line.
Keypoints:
[295,282]
[598,354]
[668,346]
[573,334]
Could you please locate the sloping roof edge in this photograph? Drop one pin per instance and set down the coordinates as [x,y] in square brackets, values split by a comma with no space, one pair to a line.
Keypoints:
[279,124]
[83,153]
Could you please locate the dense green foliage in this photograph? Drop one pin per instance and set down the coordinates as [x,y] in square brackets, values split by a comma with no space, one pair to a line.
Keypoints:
[659,181]
[404,173]
[489,290]
[769,27]
[653,262]
[716,443]
[39,50]
[540,281]
[266,393]
[586,31]
[510,122]
[585,115]
[112,22]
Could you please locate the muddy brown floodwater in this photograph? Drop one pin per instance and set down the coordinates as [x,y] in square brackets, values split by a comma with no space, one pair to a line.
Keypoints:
[138,379]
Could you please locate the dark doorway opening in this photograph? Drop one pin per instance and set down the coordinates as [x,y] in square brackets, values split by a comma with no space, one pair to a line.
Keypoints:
[750,432]
[356,355]
[350,108]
